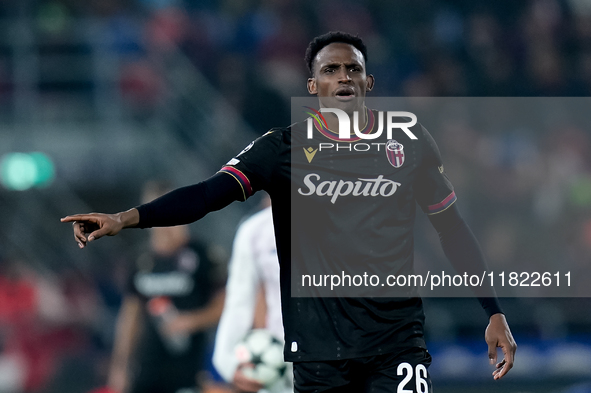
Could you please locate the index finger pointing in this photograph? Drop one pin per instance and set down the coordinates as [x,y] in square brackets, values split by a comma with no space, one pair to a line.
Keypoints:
[79,217]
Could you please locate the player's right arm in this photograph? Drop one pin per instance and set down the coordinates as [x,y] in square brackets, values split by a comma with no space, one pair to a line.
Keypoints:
[251,170]
[181,206]
[88,227]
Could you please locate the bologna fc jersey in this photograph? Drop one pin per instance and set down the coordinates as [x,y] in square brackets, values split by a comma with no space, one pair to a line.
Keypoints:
[345,208]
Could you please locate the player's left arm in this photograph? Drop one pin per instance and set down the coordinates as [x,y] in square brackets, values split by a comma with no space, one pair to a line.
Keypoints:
[463,251]
[435,194]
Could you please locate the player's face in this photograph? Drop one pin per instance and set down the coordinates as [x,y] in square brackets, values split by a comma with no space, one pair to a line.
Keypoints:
[339,78]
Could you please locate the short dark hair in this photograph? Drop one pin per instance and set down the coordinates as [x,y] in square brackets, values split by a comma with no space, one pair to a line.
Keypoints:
[323,40]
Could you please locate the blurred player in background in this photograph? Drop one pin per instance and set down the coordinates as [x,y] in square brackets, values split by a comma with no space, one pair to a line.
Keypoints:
[345,344]
[253,266]
[160,342]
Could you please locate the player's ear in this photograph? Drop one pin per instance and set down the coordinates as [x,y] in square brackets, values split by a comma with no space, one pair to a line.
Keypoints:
[312,89]
[370,80]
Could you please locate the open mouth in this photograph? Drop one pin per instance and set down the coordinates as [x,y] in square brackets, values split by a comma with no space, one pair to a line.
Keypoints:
[345,94]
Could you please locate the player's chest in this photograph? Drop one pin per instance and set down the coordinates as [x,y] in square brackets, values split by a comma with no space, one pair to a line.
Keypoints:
[336,170]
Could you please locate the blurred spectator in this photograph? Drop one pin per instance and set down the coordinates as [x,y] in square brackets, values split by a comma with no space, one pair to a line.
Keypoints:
[172,299]
[41,325]
[141,86]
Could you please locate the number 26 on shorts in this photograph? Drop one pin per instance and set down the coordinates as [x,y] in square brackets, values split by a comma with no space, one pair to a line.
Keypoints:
[420,372]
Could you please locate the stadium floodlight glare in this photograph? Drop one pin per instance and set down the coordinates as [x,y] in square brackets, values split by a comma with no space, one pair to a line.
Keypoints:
[45,169]
[21,171]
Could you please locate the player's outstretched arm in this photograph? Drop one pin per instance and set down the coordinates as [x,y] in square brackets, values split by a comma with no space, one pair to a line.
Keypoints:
[498,335]
[178,207]
[93,226]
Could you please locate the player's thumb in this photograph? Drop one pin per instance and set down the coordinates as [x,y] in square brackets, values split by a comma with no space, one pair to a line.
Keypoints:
[492,353]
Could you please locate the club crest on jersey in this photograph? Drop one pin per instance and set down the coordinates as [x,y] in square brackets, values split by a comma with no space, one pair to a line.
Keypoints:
[395,153]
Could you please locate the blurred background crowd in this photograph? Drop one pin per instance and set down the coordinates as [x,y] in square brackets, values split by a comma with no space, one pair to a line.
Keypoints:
[98,97]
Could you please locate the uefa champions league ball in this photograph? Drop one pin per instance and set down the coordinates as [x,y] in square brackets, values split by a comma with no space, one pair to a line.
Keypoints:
[265,353]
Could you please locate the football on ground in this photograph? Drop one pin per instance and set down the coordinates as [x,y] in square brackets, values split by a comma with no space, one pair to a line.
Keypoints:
[265,353]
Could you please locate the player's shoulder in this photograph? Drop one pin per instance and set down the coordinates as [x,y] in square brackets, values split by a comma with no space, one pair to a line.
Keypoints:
[277,137]
[282,134]
[277,132]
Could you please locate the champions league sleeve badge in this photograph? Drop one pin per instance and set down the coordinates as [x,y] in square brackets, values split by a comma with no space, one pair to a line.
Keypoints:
[395,153]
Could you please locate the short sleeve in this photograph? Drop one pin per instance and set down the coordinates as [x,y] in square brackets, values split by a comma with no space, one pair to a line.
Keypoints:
[433,191]
[253,167]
